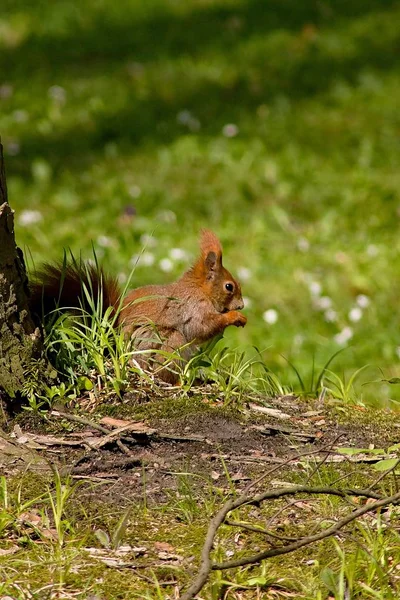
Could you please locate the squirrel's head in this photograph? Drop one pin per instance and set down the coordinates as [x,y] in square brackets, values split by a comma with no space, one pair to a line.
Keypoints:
[222,289]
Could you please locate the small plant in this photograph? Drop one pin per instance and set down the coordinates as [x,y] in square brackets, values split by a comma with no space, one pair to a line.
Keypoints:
[368,569]
[114,540]
[388,463]
[315,384]
[35,386]
[58,499]
[12,506]
[233,372]
[339,389]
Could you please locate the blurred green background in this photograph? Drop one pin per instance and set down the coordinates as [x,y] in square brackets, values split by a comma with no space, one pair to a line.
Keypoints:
[130,125]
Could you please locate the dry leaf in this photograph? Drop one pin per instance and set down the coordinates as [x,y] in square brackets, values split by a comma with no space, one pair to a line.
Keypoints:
[168,556]
[121,425]
[11,550]
[111,422]
[31,518]
[163,546]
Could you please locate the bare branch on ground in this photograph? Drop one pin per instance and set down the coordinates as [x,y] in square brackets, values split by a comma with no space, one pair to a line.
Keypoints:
[206,563]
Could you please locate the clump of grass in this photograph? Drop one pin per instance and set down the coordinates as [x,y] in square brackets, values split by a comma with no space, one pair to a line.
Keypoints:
[89,348]
[233,372]
[368,567]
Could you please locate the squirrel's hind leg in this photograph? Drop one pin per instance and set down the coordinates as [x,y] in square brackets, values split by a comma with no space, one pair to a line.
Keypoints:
[165,367]
[173,342]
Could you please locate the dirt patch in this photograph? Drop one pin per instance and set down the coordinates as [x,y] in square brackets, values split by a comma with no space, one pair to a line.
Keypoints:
[248,443]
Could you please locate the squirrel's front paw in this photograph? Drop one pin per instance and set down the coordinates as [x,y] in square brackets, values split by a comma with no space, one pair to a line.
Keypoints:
[237,319]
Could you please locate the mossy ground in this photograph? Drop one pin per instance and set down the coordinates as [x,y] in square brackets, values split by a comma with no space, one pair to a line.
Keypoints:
[166,502]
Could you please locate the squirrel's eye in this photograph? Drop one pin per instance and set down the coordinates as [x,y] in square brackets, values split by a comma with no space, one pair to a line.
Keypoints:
[229,287]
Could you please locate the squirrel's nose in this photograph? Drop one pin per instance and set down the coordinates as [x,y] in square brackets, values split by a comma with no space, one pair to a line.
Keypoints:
[240,306]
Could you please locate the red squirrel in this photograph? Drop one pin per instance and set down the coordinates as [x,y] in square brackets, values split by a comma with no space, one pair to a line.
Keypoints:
[193,310]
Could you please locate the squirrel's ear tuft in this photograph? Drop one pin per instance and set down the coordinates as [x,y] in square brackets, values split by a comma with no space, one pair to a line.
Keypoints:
[210,247]
[211,252]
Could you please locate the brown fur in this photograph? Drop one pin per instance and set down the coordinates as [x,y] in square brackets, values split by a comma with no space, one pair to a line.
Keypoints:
[188,312]
[61,286]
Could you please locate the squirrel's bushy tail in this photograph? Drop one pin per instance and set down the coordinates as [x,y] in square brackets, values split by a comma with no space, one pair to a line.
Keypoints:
[63,286]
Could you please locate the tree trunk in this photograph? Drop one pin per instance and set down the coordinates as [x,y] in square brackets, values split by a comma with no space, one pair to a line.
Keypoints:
[20,339]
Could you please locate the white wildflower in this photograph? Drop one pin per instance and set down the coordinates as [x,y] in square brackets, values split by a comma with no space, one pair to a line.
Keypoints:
[134,191]
[41,170]
[323,303]
[105,241]
[178,254]
[20,116]
[247,302]
[270,316]
[185,117]
[363,301]
[29,217]
[303,244]
[298,339]
[230,130]
[148,240]
[343,336]
[355,314]
[166,216]
[166,265]
[243,273]
[372,250]
[330,315]
[58,94]
[122,277]
[145,259]
[315,288]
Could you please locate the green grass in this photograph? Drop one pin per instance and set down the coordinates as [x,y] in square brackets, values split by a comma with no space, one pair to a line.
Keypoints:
[51,536]
[122,107]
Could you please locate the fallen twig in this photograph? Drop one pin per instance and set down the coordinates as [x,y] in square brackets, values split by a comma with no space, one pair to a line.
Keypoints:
[395,499]
[131,428]
[122,462]
[206,564]
[271,412]
[261,530]
[80,420]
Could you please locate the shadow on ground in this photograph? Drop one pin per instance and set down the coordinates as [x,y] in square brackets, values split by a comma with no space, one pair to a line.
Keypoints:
[236,38]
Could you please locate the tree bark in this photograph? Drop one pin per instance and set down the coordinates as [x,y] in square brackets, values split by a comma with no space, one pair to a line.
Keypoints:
[20,339]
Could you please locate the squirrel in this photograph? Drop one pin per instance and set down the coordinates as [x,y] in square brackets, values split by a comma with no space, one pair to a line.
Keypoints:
[180,315]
